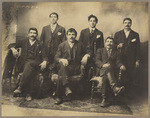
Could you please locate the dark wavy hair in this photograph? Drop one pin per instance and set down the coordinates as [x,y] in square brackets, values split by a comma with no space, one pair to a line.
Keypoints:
[93,16]
[54,14]
[72,30]
[33,28]
[127,19]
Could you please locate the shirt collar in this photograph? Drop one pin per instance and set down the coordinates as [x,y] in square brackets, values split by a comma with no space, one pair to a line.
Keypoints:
[109,49]
[53,25]
[31,42]
[70,44]
[92,29]
[126,30]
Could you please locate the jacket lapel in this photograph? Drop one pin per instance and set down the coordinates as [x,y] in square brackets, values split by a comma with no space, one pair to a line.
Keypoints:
[68,49]
[112,53]
[50,32]
[74,50]
[56,29]
[37,46]
[130,36]
[105,55]
[88,33]
[124,36]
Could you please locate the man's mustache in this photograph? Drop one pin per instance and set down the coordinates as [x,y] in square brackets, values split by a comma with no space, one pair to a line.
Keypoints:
[127,25]
[32,36]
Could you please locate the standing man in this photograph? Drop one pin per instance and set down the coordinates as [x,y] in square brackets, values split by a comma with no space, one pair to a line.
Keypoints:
[70,55]
[108,62]
[127,42]
[52,35]
[92,39]
[32,59]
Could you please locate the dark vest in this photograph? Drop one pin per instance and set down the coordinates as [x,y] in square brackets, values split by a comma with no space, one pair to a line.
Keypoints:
[31,51]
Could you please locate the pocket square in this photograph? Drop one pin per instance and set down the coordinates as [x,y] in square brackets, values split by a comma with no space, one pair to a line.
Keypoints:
[133,40]
[59,33]
[98,36]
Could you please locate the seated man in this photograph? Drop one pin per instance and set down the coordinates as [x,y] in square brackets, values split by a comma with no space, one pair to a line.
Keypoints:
[70,55]
[108,61]
[32,55]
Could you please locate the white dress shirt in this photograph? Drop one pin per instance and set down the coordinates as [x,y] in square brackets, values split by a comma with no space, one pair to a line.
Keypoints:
[70,44]
[127,33]
[92,29]
[53,27]
[31,42]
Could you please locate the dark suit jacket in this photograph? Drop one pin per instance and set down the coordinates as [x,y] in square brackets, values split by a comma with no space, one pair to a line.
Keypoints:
[131,49]
[40,54]
[89,41]
[64,52]
[52,40]
[101,58]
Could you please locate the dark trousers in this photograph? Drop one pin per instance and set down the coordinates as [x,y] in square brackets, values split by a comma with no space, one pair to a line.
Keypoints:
[108,81]
[30,70]
[9,65]
[129,77]
[65,73]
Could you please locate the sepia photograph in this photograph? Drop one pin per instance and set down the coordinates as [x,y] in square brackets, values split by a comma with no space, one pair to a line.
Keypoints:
[74,58]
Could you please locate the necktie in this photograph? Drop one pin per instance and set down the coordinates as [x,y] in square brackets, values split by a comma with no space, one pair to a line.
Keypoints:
[52,28]
[92,31]
[109,52]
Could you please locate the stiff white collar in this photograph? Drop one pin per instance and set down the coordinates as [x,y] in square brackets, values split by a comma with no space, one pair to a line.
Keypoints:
[70,44]
[31,42]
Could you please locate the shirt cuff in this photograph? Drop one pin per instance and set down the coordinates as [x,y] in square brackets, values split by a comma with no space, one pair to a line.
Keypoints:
[86,56]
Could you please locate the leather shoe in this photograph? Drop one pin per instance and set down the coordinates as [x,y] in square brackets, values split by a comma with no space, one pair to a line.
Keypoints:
[28,98]
[69,97]
[18,90]
[58,101]
[104,103]
[118,90]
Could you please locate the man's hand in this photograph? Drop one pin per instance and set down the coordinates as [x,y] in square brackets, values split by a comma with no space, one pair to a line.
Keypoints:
[85,59]
[15,52]
[122,68]
[106,65]
[64,62]
[43,65]
[120,45]
[137,64]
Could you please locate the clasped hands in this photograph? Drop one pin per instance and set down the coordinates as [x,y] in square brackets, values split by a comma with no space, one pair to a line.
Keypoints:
[120,45]
[107,65]
[15,52]
[83,61]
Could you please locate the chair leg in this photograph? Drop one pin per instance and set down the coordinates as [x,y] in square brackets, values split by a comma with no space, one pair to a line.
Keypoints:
[10,82]
[92,92]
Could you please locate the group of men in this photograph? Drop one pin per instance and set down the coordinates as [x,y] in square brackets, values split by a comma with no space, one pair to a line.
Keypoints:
[60,49]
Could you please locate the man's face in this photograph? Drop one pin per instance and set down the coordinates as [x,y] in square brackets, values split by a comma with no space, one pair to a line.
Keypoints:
[32,34]
[127,24]
[71,37]
[109,43]
[92,22]
[53,19]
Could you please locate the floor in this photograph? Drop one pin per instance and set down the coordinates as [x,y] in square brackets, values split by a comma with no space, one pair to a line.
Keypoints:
[135,104]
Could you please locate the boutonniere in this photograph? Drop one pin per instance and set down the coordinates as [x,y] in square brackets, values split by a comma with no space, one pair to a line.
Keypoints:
[40,52]
[133,40]
[59,33]
[98,36]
